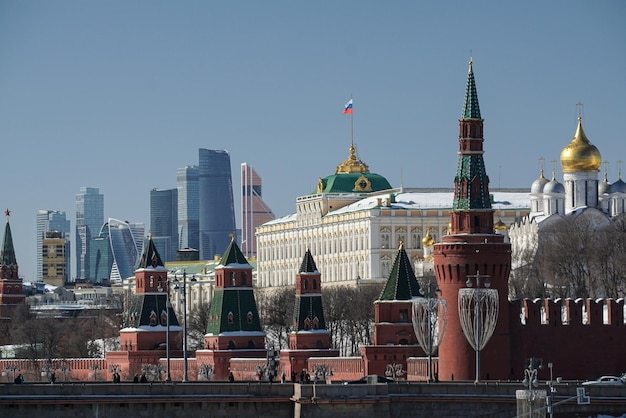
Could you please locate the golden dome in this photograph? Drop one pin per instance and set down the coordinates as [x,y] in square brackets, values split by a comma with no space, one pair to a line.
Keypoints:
[500,226]
[428,241]
[580,155]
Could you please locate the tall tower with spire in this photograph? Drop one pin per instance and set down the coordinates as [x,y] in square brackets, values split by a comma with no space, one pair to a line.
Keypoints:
[11,294]
[149,322]
[394,339]
[472,248]
[310,337]
[234,328]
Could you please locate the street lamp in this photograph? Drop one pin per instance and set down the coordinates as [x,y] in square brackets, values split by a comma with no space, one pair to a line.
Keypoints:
[478,313]
[430,317]
[168,308]
[183,292]
[530,380]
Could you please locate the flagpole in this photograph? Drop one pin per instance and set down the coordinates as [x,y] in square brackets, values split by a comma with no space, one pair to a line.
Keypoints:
[352,123]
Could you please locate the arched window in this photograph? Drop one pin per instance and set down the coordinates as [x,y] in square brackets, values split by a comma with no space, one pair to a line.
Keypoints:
[232,279]
[231,318]
[244,278]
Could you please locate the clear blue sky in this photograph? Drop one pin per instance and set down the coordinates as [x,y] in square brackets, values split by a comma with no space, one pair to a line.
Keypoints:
[119,94]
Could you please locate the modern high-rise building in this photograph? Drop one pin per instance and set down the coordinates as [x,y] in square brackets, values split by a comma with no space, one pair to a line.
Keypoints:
[126,245]
[254,211]
[89,220]
[47,221]
[101,256]
[188,207]
[54,258]
[217,209]
[164,222]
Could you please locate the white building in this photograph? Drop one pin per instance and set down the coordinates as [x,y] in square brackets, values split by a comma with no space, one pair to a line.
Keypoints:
[354,222]
[580,196]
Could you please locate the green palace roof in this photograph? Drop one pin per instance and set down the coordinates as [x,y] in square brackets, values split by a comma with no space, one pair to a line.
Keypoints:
[352,176]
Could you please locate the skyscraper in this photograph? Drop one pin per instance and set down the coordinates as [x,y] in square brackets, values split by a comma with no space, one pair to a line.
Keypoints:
[126,245]
[188,207]
[164,222]
[89,220]
[47,221]
[217,210]
[100,256]
[254,211]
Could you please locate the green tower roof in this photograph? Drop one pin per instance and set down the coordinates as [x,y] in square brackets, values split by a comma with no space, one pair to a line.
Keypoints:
[471,110]
[402,283]
[233,255]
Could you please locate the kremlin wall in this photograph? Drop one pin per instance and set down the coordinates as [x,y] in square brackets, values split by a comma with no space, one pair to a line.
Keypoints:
[582,338]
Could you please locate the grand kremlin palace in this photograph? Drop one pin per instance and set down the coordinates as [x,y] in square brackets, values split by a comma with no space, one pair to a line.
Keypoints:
[354,222]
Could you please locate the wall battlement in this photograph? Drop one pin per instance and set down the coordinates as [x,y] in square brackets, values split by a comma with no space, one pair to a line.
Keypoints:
[581,337]
[569,312]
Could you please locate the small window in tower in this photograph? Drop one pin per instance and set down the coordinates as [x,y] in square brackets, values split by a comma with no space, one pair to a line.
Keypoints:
[164,318]
[314,284]
[151,281]
[306,284]
[232,279]
[231,318]
[249,317]
[244,278]
[316,323]
[404,315]
[307,324]
[153,319]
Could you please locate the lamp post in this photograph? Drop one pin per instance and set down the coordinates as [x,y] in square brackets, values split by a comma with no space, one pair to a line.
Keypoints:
[183,292]
[478,313]
[530,380]
[168,308]
[430,317]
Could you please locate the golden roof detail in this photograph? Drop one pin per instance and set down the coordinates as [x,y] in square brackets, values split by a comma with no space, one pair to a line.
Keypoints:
[352,164]
[580,154]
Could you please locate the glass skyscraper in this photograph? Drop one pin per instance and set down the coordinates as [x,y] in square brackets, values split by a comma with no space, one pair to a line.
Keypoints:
[164,222]
[126,245]
[188,207]
[101,256]
[89,220]
[47,221]
[217,209]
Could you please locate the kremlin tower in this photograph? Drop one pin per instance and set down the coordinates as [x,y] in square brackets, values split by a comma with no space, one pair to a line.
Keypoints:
[11,294]
[149,318]
[472,248]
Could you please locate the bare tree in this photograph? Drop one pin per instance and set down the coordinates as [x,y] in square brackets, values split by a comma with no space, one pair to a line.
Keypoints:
[276,309]
[198,322]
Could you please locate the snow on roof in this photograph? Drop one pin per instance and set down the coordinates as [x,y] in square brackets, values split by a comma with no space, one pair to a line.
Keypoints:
[423,200]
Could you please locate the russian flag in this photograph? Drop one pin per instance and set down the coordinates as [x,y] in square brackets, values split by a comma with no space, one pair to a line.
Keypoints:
[347,109]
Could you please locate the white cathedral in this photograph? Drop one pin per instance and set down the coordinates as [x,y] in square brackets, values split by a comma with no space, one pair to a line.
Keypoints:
[581,196]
